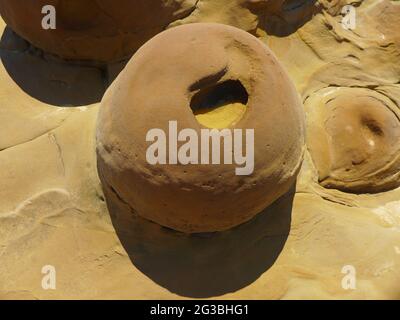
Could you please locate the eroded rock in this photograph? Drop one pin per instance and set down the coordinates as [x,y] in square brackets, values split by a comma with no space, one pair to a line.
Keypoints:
[100,30]
[353,136]
[205,60]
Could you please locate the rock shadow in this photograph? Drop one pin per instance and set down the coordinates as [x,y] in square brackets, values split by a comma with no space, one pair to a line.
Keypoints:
[281,18]
[50,79]
[203,265]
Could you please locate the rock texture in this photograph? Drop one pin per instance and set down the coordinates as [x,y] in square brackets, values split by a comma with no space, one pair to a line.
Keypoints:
[198,197]
[353,140]
[101,30]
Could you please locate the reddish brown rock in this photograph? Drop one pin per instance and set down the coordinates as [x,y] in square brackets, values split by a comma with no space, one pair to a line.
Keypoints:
[181,67]
[101,30]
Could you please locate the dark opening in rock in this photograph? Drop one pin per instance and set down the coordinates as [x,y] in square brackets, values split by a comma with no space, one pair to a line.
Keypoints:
[228,92]
[220,105]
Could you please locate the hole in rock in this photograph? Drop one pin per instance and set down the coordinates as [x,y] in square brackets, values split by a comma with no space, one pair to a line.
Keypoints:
[221,105]
[373,126]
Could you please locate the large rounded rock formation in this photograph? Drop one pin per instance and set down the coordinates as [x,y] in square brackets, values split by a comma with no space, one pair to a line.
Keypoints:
[100,30]
[183,83]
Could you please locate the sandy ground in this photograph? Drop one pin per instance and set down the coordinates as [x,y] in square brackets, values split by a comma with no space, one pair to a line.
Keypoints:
[52,209]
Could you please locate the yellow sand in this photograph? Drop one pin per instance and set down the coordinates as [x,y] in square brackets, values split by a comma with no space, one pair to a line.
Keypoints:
[221,117]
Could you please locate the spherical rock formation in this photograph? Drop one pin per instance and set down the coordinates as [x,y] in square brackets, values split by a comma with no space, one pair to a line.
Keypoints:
[353,138]
[100,30]
[193,78]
